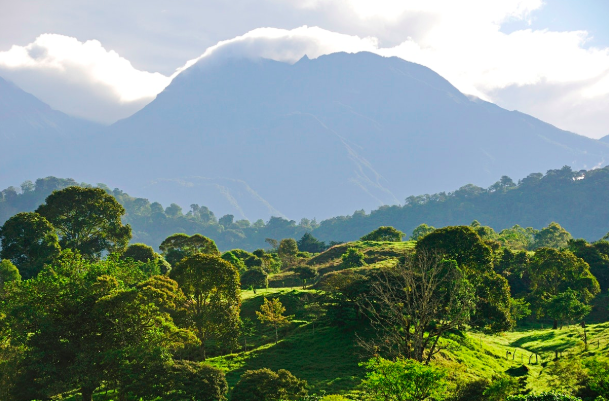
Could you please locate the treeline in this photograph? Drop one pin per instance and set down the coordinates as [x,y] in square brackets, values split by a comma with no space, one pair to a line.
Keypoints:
[579,201]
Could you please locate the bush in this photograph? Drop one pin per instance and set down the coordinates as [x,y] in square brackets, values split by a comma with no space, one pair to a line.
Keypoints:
[266,385]
[384,233]
[543,397]
[196,381]
[353,258]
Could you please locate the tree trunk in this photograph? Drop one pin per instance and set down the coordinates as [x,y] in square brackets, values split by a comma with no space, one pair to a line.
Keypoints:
[276,336]
[87,393]
[555,325]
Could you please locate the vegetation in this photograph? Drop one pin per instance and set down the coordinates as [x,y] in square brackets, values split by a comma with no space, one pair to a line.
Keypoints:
[457,313]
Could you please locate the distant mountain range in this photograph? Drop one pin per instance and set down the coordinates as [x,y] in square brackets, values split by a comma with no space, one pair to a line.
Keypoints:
[605,139]
[319,138]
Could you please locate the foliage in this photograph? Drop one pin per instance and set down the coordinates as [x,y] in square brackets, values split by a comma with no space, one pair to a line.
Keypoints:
[8,273]
[255,277]
[551,396]
[144,254]
[403,380]
[598,376]
[597,256]
[420,231]
[29,241]
[353,258]
[266,385]
[413,306]
[178,246]
[271,312]
[384,233]
[287,251]
[566,307]
[552,236]
[195,381]
[305,273]
[308,243]
[213,299]
[87,220]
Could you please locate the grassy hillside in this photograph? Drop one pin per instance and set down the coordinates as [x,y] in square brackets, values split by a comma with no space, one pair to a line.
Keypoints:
[328,357]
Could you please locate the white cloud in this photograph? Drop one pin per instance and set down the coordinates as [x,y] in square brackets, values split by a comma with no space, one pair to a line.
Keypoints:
[82,79]
[551,75]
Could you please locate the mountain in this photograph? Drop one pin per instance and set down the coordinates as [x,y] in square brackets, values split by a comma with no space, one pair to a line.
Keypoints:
[605,139]
[318,138]
[32,135]
[327,136]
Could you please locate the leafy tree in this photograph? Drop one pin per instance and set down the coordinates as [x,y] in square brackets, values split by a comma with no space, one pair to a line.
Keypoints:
[87,220]
[8,273]
[308,243]
[211,286]
[552,236]
[139,253]
[195,381]
[517,238]
[412,307]
[596,255]
[266,385]
[403,380]
[227,220]
[305,273]
[255,277]
[384,233]
[272,313]
[287,251]
[566,306]
[178,246]
[353,258]
[82,324]
[29,241]
[463,245]
[552,272]
[230,257]
[420,231]
[173,210]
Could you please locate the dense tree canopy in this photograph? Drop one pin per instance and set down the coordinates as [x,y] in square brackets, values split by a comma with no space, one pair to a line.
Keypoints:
[29,241]
[87,220]
[178,246]
[384,234]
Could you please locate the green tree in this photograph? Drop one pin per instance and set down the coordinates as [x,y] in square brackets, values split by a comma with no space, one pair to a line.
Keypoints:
[596,255]
[288,251]
[420,231]
[403,380]
[566,307]
[29,241]
[353,258]
[195,381]
[255,277]
[266,385]
[552,236]
[308,243]
[139,253]
[384,233]
[82,324]
[272,313]
[87,220]
[463,245]
[230,257]
[178,246]
[305,273]
[8,273]
[211,286]
[552,272]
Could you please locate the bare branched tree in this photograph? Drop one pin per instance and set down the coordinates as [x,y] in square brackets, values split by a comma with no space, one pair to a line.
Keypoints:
[413,305]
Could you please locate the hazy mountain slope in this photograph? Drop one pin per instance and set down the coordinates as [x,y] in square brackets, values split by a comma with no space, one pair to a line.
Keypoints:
[331,135]
[36,140]
[605,139]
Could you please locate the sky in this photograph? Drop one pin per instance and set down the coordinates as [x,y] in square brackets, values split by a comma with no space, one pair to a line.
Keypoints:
[105,60]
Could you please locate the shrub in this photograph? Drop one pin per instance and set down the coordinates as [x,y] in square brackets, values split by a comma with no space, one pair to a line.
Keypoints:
[353,258]
[266,385]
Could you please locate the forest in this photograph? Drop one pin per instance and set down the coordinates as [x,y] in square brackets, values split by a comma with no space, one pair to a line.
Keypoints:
[458,312]
[577,200]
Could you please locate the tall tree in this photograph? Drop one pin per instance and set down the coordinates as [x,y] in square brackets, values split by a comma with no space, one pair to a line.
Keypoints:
[29,241]
[308,243]
[211,286]
[287,251]
[420,231]
[272,313]
[87,220]
[552,236]
[178,246]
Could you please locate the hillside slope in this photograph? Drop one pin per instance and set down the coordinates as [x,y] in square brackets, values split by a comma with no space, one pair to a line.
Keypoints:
[323,137]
